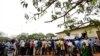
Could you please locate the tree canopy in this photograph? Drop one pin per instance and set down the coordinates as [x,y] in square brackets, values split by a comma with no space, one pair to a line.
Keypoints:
[65,9]
[50,35]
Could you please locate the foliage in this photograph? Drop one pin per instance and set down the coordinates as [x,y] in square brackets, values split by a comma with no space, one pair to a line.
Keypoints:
[50,35]
[4,39]
[96,23]
[25,36]
[87,7]
[22,36]
[36,36]
[41,35]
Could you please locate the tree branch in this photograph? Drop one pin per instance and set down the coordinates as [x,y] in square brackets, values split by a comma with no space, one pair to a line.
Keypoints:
[46,8]
[78,3]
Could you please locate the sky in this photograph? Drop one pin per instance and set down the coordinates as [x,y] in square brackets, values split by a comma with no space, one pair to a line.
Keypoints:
[12,21]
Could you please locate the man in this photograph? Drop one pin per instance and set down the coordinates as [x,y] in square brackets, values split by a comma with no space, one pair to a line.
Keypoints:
[62,48]
[70,48]
[91,43]
[35,47]
[39,45]
[49,46]
[58,47]
[2,49]
[22,46]
[97,44]
[53,46]
[44,46]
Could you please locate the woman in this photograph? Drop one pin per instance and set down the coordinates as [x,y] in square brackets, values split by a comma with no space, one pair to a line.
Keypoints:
[85,51]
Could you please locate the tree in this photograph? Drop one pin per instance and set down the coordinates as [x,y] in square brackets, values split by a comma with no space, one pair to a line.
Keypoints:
[35,36]
[3,37]
[67,8]
[50,35]
[41,35]
[22,36]
[31,36]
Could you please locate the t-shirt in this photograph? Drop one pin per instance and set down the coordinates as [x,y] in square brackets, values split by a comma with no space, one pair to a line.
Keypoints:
[79,43]
[62,45]
[22,44]
[49,44]
[52,43]
[43,44]
[35,43]
[31,44]
[13,46]
[91,43]
[39,43]
[58,43]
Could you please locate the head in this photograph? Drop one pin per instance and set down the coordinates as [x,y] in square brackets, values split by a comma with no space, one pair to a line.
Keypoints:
[90,39]
[83,44]
[13,41]
[68,34]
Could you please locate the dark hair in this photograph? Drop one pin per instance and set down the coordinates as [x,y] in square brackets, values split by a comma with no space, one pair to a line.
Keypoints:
[73,43]
[12,41]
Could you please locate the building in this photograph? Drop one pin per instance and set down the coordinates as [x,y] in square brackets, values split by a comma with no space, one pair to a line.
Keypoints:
[91,31]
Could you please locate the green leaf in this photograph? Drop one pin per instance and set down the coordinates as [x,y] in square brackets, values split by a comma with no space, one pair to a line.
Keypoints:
[22,2]
[58,13]
[54,17]
[67,5]
[26,5]
[81,8]
[26,16]
[93,2]
[58,4]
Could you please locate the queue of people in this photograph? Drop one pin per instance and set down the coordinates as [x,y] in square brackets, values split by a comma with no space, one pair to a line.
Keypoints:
[58,47]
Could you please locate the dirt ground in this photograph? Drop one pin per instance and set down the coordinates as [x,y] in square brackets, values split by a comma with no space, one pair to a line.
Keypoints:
[97,54]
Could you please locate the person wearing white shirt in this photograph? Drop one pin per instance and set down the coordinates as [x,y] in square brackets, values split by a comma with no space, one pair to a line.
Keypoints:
[22,46]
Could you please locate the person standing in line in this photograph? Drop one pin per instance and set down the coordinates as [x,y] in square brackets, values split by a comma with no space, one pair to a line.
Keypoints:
[31,47]
[53,46]
[49,46]
[70,48]
[3,50]
[27,46]
[7,49]
[39,45]
[58,47]
[74,52]
[35,47]
[66,46]
[83,49]
[22,48]
[62,48]
[91,43]
[13,47]
[97,44]
[44,47]
[86,51]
